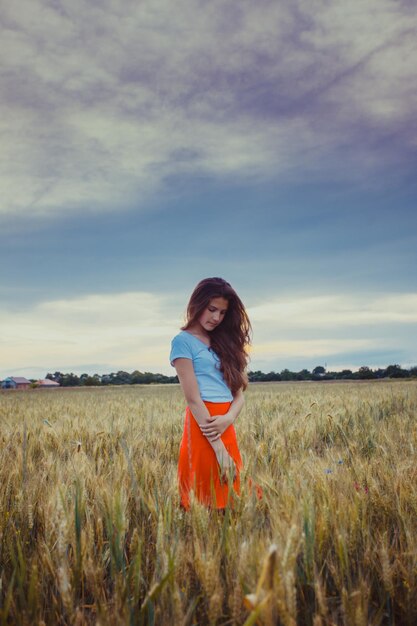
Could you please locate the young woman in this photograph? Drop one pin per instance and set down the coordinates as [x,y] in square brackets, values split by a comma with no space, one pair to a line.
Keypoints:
[209,355]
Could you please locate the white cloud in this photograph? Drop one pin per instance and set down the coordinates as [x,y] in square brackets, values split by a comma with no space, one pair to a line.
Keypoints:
[333,311]
[308,348]
[133,331]
[339,329]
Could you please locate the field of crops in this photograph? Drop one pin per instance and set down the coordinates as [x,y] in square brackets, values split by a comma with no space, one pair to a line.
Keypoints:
[91,531]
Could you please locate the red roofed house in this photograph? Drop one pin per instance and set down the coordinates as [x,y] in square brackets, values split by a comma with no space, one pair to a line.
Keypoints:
[15,382]
[46,383]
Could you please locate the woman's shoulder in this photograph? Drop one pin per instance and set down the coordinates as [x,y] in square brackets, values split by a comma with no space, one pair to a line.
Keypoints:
[181,337]
[182,347]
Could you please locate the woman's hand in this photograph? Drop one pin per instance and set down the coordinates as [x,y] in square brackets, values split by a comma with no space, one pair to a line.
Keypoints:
[215,426]
[227,465]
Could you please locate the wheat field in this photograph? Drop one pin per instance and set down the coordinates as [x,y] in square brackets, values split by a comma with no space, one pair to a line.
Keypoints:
[91,531]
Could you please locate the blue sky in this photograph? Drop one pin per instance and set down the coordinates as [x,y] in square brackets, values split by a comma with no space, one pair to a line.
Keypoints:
[271,143]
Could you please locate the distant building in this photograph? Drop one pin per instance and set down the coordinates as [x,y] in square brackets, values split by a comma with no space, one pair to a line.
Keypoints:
[47,383]
[15,382]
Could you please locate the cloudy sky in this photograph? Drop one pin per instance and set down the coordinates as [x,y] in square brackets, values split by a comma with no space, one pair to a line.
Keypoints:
[146,145]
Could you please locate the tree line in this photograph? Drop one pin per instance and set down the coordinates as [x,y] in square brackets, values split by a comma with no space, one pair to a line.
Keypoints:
[318,373]
[115,378]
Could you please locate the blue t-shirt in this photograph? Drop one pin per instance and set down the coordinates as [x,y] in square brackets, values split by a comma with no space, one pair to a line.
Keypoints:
[206,365]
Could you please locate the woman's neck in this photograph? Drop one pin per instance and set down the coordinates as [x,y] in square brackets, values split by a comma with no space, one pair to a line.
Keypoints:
[200,333]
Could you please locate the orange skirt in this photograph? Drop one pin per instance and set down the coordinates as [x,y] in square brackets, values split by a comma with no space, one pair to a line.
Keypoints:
[198,469]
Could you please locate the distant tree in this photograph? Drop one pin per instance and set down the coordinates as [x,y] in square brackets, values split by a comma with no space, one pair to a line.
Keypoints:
[270,377]
[303,375]
[413,371]
[57,377]
[255,377]
[346,374]
[121,378]
[287,375]
[92,381]
[136,377]
[70,380]
[380,373]
[395,371]
[319,370]
[365,372]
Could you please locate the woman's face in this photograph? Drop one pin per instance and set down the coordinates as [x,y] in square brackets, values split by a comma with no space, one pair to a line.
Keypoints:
[213,314]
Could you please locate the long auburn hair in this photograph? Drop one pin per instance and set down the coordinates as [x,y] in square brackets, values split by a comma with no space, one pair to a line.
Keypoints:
[231,337]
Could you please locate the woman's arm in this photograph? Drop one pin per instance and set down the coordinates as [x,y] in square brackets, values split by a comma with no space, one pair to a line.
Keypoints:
[236,406]
[189,385]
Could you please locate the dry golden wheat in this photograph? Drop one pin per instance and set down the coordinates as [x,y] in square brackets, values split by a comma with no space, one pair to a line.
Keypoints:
[91,531]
